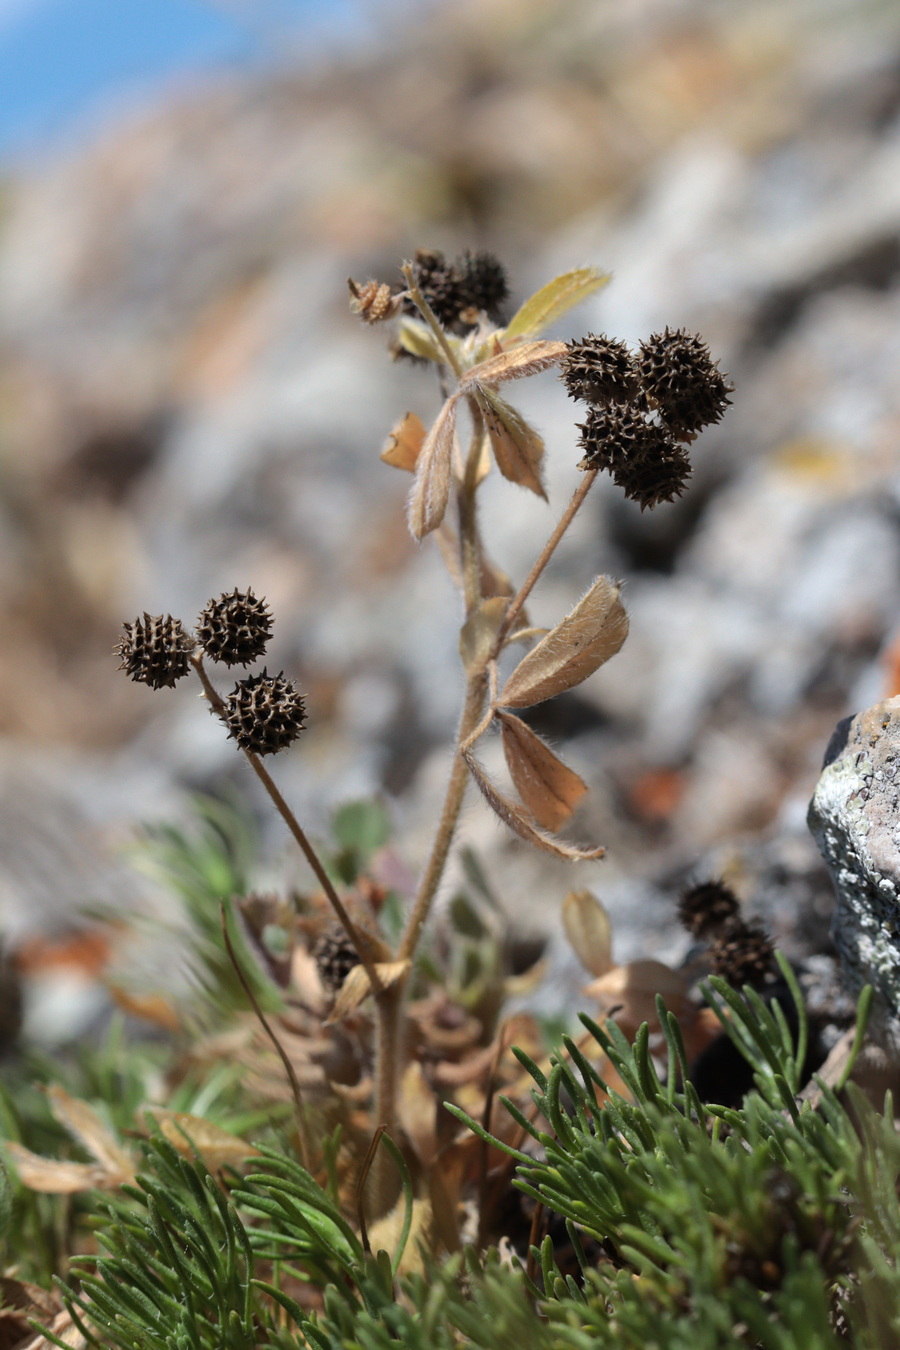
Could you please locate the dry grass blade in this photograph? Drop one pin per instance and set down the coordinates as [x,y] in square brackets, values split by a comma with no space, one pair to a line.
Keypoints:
[549,789]
[428,501]
[404,443]
[55,1177]
[357,986]
[84,1124]
[193,1134]
[521,823]
[515,364]
[555,299]
[518,449]
[589,931]
[578,645]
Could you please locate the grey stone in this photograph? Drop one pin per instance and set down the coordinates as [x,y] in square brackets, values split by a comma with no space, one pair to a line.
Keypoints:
[855,818]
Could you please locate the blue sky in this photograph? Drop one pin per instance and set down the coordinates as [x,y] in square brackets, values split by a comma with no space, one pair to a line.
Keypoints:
[62,62]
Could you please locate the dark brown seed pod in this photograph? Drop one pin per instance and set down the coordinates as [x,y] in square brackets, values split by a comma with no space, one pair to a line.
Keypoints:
[235,628]
[680,377]
[155,650]
[656,479]
[482,283]
[617,434]
[439,283]
[704,908]
[599,370]
[265,713]
[742,954]
[335,956]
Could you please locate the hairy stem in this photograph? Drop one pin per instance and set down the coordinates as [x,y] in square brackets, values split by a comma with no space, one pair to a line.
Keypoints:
[546,554]
[430,318]
[299,835]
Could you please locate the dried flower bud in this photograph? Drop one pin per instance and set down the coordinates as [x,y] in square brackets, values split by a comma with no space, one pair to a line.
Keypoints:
[599,370]
[439,283]
[482,283]
[155,651]
[335,956]
[679,375]
[235,628]
[742,953]
[374,301]
[707,907]
[265,713]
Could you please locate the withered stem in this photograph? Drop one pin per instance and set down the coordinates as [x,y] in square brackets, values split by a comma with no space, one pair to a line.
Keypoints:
[388,1068]
[430,318]
[546,554]
[443,838]
[293,825]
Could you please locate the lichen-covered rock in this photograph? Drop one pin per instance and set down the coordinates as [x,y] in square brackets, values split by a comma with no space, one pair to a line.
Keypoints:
[855,818]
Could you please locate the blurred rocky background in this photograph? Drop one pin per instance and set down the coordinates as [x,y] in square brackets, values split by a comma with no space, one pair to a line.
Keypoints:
[186,405]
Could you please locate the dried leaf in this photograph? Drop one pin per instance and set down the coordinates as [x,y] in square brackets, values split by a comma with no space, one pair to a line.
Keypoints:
[54,1177]
[629,992]
[84,1124]
[417,1112]
[518,449]
[417,338]
[356,986]
[520,822]
[192,1134]
[154,1008]
[478,633]
[514,364]
[404,442]
[385,1233]
[578,645]
[588,929]
[549,789]
[555,299]
[432,486]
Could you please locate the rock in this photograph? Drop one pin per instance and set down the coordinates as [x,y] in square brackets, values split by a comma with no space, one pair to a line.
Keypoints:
[854,818]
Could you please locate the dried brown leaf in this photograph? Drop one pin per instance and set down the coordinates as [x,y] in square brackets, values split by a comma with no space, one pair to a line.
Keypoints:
[84,1124]
[356,986]
[431,490]
[555,299]
[629,992]
[404,442]
[518,449]
[515,364]
[578,645]
[417,1112]
[54,1177]
[384,1235]
[521,823]
[589,931]
[153,1008]
[192,1134]
[549,789]
[479,632]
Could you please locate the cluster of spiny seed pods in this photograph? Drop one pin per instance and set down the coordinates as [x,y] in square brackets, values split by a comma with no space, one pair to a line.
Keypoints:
[263,713]
[646,406]
[739,951]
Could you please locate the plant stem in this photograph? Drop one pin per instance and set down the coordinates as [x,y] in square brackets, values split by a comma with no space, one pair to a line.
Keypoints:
[430,318]
[293,825]
[546,554]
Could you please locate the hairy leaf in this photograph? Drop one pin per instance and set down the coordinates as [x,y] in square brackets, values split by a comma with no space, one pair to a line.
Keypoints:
[518,449]
[479,632]
[520,822]
[552,301]
[549,789]
[578,645]
[515,364]
[432,486]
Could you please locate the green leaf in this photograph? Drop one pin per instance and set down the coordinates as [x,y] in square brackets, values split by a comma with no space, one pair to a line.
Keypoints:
[555,299]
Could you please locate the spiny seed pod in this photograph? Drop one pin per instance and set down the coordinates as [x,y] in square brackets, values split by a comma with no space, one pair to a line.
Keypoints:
[679,375]
[617,434]
[742,953]
[155,651]
[656,479]
[704,908]
[482,282]
[335,956]
[439,283]
[265,713]
[235,628]
[599,370]
[373,301]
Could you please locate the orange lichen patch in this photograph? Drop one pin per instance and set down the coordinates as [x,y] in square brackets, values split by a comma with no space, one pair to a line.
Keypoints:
[655,796]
